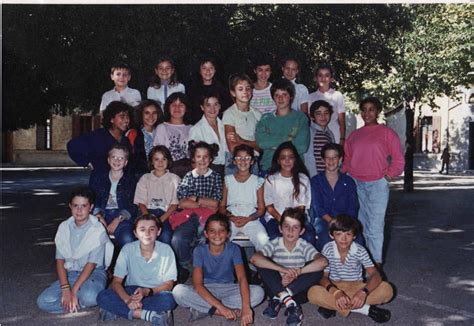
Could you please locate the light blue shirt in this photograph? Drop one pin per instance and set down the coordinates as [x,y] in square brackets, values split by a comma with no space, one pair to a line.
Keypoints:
[160,268]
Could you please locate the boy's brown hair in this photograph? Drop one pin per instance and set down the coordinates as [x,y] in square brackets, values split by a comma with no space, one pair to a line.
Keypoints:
[345,223]
[234,79]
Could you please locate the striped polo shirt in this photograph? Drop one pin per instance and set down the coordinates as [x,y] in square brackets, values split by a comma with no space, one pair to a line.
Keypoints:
[351,269]
[320,139]
[298,257]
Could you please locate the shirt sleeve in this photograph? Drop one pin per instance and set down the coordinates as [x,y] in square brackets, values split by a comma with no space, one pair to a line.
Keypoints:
[301,140]
[198,259]
[304,94]
[218,188]
[325,253]
[173,188]
[339,104]
[236,254]
[160,136]
[304,198]
[397,161]
[310,252]
[80,149]
[228,118]
[364,257]
[268,249]
[318,204]
[121,266]
[268,191]
[141,192]
[352,200]
[169,264]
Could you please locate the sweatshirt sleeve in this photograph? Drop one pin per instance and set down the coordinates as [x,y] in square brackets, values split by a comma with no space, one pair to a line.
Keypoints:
[79,149]
[301,139]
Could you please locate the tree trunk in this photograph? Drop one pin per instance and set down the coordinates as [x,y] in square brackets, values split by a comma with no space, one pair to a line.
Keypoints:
[409,149]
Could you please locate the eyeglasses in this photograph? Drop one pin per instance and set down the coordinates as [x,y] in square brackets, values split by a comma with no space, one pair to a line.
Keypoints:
[118,158]
[243,158]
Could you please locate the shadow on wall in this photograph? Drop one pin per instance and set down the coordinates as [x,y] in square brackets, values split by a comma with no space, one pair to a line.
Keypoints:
[459,146]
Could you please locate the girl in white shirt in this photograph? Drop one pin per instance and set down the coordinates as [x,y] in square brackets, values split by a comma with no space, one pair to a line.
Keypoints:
[164,82]
[242,198]
[287,185]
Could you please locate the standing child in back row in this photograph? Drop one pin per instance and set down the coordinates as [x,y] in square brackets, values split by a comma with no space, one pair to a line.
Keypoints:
[324,76]
[261,97]
[164,82]
[291,68]
[120,74]
[80,251]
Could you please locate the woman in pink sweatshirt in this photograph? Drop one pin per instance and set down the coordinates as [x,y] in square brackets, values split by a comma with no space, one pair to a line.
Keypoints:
[373,157]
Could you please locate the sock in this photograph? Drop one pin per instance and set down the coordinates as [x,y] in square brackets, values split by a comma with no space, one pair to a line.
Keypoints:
[289,291]
[148,314]
[364,310]
[286,299]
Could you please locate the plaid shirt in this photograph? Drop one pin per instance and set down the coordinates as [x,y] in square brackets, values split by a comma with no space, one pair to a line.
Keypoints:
[208,185]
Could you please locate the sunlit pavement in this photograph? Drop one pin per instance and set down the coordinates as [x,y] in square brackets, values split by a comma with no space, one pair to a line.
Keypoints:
[429,257]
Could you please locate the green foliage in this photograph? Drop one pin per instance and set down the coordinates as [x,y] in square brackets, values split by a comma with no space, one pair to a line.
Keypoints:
[432,58]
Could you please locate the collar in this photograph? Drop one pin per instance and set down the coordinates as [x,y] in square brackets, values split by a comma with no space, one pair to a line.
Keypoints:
[123,91]
[195,174]
[352,250]
[318,127]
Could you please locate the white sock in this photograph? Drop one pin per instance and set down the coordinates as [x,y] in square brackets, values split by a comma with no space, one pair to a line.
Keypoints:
[364,310]
[286,299]
[148,314]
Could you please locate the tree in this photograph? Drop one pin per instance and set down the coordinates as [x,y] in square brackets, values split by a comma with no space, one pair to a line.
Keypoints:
[432,59]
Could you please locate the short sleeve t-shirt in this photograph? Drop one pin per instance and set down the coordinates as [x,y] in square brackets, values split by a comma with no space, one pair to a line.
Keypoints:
[243,122]
[220,268]
[302,253]
[160,268]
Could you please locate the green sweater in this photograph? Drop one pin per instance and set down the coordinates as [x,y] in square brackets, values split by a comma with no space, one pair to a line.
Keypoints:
[272,130]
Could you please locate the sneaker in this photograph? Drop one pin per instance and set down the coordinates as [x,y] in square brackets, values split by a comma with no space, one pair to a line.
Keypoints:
[295,315]
[196,315]
[163,319]
[326,313]
[273,308]
[106,315]
[379,315]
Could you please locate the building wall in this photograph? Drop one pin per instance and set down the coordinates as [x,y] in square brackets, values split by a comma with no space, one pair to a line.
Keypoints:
[62,131]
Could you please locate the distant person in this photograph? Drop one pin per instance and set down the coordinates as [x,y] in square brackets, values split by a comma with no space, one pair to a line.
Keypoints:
[114,191]
[342,287]
[291,68]
[210,129]
[289,266]
[148,268]
[436,144]
[174,132]
[156,192]
[373,157]
[164,82]
[281,126]
[324,77]
[240,120]
[148,116]
[120,74]
[261,96]
[206,84]
[91,149]
[445,156]
[213,290]
[242,199]
[80,251]
[320,135]
[332,193]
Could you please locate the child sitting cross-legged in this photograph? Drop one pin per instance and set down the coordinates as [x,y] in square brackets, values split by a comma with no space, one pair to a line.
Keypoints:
[150,270]
[289,266]
[341,287]
[213,290]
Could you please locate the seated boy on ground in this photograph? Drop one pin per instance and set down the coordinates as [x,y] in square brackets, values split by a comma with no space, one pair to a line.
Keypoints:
[289,266]
[341,287]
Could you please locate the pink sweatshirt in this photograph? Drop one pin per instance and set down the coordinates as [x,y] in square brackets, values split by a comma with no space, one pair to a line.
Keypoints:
[371,152]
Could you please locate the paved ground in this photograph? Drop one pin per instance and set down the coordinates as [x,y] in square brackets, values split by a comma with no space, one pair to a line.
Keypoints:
[429,257]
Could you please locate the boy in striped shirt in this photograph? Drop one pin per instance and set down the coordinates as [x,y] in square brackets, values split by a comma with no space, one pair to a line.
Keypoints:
[288,267]
[342,288]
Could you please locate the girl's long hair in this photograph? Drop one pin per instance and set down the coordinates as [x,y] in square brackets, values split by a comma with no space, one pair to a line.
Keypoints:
[298,167]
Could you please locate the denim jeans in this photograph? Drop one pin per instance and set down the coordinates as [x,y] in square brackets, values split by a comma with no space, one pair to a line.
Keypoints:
[273,230]
[373,201]
[272,281]
[50,299]
[124,231]
[110,301]
[185,238]
[322,231]
[166,231]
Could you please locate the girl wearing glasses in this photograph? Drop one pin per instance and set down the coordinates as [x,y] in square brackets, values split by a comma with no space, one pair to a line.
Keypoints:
[242,198]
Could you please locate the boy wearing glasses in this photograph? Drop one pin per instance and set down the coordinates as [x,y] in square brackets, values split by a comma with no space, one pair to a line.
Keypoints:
[289,266]
[114,196]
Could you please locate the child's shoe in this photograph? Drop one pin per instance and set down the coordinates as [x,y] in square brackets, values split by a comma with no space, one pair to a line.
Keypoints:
[273,308]
[196,315]
[163,319]
[326,313]
[295,315]
[106,315]
[379,315]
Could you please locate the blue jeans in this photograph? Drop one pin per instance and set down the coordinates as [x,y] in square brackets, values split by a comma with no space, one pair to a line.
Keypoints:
[322,231]
[185,238]
[273,230]
[166,231]
[124,231]
[110,301]
[373,201]
[50,299]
